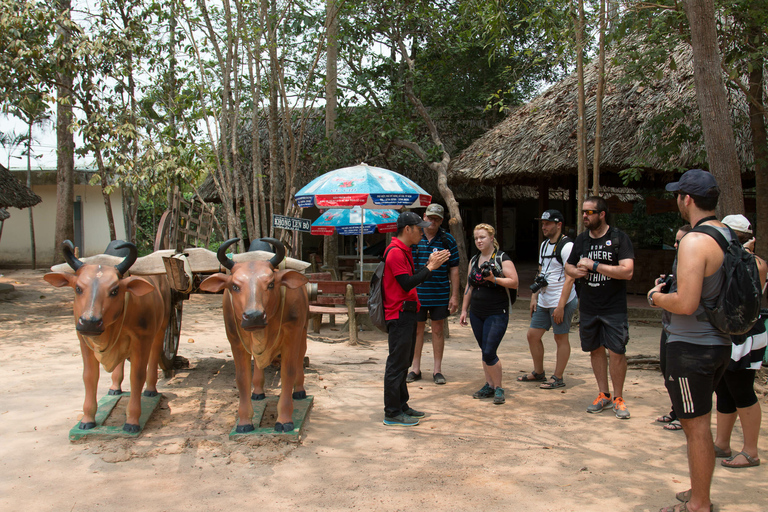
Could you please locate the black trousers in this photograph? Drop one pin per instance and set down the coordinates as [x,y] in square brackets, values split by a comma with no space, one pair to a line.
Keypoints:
[402,343]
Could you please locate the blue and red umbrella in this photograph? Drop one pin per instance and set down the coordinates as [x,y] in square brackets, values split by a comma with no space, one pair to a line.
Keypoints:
[365,186]
[355,221]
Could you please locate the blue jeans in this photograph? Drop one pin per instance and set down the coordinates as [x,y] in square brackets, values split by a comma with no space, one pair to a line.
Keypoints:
[402,343]
[488,332]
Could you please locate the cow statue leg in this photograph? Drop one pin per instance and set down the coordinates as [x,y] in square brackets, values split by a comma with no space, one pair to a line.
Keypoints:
[258,383]
[91,382]
[139,359]
[118,374]
[154,363]
[291,376]
[299,392]
[243,379]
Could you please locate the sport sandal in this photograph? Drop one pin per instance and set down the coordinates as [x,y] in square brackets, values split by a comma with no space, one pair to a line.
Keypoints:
[554,383]
[533,377]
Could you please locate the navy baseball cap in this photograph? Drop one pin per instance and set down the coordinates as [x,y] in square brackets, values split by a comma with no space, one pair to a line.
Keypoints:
[411,219]
[695,182]
[551,215]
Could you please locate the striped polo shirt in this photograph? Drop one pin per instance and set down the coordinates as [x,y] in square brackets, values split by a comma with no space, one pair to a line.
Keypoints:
[436,290]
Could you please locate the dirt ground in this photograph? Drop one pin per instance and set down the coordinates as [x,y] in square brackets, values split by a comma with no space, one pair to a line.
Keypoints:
[539,451]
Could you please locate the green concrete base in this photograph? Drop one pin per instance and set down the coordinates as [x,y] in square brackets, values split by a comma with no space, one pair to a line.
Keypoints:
[105,406]
[300,412]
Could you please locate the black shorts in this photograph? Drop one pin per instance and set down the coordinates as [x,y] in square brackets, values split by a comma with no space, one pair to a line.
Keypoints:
[435,313]
[693,372]
[610,331]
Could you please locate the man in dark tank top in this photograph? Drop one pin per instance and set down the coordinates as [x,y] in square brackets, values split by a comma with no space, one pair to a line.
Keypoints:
[697,353]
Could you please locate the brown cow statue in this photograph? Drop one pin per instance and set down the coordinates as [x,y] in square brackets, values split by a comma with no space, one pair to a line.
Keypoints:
[265,315]
[116,317]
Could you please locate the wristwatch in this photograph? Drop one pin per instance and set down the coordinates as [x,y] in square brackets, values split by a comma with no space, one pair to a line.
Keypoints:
[650,298]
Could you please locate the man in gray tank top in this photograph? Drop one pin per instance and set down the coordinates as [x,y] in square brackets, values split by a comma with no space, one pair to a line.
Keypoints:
[697,353]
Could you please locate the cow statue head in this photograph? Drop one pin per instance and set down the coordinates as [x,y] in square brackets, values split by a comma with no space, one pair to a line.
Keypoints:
[254,286]
[99,289]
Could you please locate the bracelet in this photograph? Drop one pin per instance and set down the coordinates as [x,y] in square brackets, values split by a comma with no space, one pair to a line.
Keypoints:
[594,266]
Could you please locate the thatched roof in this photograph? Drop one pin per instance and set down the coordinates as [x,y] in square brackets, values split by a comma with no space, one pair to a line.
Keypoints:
[13,193]
[538,140]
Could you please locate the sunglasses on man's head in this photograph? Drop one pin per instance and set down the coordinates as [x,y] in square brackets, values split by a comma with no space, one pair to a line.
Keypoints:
[591,212]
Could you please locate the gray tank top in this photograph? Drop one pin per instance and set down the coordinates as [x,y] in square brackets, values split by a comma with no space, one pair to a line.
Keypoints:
[688,328]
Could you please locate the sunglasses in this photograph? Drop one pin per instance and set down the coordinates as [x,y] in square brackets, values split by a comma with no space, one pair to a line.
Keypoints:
[591,212]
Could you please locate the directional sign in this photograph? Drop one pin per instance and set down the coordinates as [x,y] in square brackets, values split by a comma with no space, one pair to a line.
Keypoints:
[291,223]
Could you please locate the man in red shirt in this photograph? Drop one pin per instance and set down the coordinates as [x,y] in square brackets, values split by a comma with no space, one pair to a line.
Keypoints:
[401,303]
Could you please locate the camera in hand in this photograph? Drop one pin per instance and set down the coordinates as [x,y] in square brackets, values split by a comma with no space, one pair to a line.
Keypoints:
[488,268]
[667,282]
[539,282]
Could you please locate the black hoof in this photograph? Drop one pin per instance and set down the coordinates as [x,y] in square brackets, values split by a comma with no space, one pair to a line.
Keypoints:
[131,428]
[114,392]
[87,426]
[149,393]
[244,429]
[258,396]
[299,395]
[283,427]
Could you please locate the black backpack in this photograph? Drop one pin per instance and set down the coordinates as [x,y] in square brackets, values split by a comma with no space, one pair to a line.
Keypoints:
[376,297]
[558,252]
[738,305]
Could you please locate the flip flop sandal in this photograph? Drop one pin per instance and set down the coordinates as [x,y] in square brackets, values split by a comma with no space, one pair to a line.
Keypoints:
[751,461]
[722,454]
[674,425]
[683,496]
[537,377]
[682,507]
[665,419]
[554,382]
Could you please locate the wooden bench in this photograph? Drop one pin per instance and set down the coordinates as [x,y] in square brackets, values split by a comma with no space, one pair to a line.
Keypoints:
[340,297]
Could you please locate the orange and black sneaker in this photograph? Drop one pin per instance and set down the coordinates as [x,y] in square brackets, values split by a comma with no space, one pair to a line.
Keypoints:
[620,408]
[600,403]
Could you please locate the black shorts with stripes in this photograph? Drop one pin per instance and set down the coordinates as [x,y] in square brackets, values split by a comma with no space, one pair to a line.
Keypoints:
[692,374]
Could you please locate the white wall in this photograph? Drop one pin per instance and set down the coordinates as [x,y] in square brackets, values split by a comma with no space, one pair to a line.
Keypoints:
[15,248]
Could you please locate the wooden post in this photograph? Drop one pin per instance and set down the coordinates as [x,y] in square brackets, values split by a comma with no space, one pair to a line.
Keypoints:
[350,300]
[498,214]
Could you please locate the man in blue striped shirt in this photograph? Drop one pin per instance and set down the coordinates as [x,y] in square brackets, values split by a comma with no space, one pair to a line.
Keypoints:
[439,295]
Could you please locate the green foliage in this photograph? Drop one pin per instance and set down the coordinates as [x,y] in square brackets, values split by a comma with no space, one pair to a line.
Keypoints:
[648,231]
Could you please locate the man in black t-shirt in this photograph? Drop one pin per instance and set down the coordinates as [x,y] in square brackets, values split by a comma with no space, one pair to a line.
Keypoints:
[602,260]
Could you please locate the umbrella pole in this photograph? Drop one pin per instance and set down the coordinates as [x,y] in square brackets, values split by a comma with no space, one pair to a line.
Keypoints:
[360,240]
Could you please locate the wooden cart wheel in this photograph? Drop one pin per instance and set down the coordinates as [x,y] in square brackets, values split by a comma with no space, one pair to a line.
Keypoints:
[162,238]
[172,334]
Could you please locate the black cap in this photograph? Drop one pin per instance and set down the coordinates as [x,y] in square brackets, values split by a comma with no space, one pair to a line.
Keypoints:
[695,182]
[551,215]
[411,219]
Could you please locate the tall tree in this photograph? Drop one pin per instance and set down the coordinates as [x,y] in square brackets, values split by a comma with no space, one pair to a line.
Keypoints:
[713,105]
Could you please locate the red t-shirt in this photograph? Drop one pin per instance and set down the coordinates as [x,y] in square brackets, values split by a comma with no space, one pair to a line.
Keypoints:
[399,262]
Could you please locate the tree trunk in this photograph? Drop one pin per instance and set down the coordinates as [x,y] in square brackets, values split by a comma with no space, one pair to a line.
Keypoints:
[332,30]
[713,105]
[599,104]
[581,152]
[65,142]
[760,148]
[33,248]
[273,128]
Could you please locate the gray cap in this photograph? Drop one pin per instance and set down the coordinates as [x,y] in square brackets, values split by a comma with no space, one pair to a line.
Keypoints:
[436,210]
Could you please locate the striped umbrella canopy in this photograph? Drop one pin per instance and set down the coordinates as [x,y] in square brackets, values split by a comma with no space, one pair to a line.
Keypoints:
[355,221]
[365,186]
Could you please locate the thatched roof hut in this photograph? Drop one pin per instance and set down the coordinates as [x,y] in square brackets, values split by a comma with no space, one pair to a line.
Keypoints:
[13,193]
[537,141]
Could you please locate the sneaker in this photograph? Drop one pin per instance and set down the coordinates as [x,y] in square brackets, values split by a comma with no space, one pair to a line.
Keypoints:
[498,396]
[412,377]
[413,413]
[600,403]
[484,392]
[620,408]
[401,420]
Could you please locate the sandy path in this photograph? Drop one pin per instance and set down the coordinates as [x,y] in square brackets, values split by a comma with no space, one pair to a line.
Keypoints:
[540,451]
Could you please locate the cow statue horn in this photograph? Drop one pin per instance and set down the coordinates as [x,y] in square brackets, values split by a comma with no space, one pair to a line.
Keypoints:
[129,260]
[279,251]
[68,250]
[221,254]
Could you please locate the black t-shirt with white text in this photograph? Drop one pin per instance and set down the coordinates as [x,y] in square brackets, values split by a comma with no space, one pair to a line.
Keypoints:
[600,294]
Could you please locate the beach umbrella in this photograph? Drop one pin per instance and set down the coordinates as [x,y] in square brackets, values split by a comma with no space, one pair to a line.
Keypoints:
[365,186]
[355,221]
